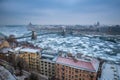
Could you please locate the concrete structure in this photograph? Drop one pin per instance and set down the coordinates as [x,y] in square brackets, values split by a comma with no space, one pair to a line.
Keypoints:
[47,63]
[4,43]
[5,74]
[6,71]
[34,34]
[31,58]
[53,64]
[4,47]
[72,69]
[110,72]
[4,53]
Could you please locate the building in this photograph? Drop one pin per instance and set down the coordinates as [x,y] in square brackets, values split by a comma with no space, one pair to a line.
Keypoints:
[4,47]
[30,58]
[73,69]
[47,63]
[6,71]
[4,43]
[4,53]
[5,74]
[110,71]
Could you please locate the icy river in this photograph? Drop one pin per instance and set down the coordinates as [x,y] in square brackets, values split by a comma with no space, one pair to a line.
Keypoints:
[87,45]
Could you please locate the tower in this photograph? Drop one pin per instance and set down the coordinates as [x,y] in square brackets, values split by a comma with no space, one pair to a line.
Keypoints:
[34,34]
[98,24]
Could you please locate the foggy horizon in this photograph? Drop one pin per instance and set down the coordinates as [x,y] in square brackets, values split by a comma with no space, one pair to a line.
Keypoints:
[44,12]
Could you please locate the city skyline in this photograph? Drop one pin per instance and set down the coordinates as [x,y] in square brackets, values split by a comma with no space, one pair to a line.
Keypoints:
[59,12]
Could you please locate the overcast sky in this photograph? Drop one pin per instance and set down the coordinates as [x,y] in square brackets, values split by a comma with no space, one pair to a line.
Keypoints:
[59,11]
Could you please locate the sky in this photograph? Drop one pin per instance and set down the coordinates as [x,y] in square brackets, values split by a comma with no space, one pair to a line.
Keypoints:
[59,12]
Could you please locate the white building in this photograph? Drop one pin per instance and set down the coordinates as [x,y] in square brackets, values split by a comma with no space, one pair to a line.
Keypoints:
[110,72]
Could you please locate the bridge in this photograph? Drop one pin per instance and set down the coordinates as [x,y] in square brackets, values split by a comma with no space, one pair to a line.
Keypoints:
[36,31]
[43,30]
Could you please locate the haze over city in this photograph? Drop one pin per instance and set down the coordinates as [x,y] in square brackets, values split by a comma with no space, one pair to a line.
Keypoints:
[59,11]
[59,40]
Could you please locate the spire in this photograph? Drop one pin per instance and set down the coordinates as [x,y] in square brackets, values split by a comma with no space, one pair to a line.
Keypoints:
[30,24]
[30,27]
[98,24]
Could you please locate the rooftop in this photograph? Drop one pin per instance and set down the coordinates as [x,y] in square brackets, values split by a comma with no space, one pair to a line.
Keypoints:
[4,50]
[5,74]
[49,55]
[30,50]
[110,72]
[15,49]
[79,64]
[50,52]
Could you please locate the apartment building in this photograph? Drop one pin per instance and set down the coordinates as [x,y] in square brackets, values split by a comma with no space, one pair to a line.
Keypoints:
[47,63]
[4,53]
[31,58]
[110,71]
[4,43]
[4,47]
[72,69]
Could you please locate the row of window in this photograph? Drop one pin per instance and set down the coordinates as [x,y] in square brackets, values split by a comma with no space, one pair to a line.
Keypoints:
[47,73]
[71,78]
[72,69]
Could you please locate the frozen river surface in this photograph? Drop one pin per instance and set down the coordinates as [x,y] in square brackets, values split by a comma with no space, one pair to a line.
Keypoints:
[87,45]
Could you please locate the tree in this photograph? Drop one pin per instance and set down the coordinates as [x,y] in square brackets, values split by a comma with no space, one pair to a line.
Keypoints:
[20,66]
[33,77]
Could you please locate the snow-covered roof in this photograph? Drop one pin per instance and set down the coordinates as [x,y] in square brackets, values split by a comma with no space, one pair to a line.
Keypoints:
[48,56]
[5,50]
[52,52]
[30,50]
[95,64]
[5,74]
[15,49]
[79,64]
[110,72]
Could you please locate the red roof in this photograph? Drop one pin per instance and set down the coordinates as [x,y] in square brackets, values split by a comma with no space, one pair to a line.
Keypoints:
[78,64]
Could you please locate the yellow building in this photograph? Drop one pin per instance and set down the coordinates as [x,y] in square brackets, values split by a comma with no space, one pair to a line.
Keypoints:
[4,43]
[31,58]
[4,53]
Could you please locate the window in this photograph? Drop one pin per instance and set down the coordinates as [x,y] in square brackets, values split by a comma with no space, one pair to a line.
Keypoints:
[69,67]
[72,77]
[76,71]
[63,69]
[76,76]
[69,76]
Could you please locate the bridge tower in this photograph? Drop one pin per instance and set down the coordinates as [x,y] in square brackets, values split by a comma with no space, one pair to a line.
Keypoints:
[63,30]
[32,28]
[34,35]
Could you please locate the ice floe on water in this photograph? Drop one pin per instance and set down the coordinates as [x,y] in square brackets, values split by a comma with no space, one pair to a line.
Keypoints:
[88,45]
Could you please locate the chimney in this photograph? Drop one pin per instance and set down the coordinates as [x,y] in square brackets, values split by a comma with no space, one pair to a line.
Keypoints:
[74,59]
